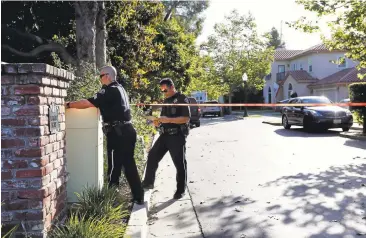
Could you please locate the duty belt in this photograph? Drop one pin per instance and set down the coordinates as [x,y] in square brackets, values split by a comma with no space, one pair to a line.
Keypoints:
[169,131]
[116,123]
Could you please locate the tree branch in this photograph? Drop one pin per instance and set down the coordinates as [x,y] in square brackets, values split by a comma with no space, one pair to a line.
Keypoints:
[168,15]
[27,35]
[50,47]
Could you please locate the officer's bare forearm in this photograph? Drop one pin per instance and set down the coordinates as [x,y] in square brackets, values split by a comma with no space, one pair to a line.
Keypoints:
[174,120]
[81,104]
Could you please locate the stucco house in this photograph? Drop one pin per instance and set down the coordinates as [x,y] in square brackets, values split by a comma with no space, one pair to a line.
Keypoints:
[310,72]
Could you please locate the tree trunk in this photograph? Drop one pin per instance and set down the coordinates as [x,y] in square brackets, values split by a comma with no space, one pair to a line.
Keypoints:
[101,37]
[230,100]
[85,15]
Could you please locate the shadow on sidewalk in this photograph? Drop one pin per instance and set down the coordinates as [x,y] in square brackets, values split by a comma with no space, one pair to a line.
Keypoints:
[228,216]
[158,208]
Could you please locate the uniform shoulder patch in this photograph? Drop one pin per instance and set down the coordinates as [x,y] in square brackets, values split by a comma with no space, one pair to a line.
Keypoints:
[102,91]
[186,100]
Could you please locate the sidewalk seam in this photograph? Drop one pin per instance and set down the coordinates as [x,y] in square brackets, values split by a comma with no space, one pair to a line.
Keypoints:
[195,213]
[144,231]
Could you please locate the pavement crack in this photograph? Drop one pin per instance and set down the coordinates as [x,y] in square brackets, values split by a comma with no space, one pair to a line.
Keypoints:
[195,213]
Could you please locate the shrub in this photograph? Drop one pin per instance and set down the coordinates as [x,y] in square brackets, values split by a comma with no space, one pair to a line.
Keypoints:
[98,213]
[88,227]
[96,202]
[358,94]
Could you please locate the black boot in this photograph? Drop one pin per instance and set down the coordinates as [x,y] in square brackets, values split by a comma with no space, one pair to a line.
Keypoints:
[178,195]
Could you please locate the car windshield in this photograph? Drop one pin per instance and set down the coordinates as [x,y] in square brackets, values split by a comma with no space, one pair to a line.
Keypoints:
[315,100]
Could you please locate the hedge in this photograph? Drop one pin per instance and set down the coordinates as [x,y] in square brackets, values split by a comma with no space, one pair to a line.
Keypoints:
[357,92]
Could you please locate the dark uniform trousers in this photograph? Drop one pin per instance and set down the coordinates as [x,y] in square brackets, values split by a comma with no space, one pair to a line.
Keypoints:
[121,154]
[176,145]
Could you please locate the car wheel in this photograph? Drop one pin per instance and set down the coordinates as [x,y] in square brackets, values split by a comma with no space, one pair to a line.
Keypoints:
[198,124]
[345,129]
[285,122]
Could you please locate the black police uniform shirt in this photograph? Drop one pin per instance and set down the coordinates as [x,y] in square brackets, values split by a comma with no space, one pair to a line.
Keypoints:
[175,111]
[112,101]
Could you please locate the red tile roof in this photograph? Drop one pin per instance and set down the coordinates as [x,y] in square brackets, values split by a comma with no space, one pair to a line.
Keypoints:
[348,75]
[281,54]
[300,75]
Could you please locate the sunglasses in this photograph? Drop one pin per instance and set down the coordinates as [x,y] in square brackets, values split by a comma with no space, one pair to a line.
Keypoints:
[164,91]
[102,75]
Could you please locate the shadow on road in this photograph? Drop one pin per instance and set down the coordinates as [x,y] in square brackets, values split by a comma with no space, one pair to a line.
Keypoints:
[300,132]
[356,143]
[330,198]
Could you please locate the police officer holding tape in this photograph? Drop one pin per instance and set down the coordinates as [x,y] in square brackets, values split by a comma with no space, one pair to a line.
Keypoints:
[112,100]
[173,126]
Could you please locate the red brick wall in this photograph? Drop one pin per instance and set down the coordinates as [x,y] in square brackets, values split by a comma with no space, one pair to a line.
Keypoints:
[33,163]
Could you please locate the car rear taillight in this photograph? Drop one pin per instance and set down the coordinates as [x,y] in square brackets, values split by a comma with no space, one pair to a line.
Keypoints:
[199,109]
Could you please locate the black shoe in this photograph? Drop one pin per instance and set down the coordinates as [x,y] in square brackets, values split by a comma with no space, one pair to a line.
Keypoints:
[138,201]
[147,186]
[178,195]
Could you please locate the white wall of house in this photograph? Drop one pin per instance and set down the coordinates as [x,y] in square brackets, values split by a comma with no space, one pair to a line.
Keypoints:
[322,67]
[334,93]
[300,88]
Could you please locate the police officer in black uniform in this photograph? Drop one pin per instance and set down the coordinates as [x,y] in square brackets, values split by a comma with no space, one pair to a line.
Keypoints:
[173,125]
[112,100]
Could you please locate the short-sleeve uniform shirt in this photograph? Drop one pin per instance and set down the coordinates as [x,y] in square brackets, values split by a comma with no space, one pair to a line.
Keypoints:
[112,101]
[175,111]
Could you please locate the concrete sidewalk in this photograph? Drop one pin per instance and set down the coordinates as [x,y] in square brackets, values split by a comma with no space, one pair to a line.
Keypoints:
[169,217]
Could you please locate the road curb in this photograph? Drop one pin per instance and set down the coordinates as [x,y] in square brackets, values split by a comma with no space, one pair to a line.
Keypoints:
[137,226]
[352,136]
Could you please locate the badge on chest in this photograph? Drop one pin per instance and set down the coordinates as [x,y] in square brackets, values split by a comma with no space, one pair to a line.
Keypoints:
[173,109]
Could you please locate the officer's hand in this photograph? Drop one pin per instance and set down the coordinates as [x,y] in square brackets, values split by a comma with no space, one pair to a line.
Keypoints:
[156,122]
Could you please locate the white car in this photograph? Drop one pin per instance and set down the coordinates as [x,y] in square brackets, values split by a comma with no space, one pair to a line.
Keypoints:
[211,110]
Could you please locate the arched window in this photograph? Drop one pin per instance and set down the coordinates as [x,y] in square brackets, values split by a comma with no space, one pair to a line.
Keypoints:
[269,95]
[290,90]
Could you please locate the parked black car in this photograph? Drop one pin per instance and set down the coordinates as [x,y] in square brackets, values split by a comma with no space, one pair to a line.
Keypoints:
[279,108]
[195,113]
[322,117]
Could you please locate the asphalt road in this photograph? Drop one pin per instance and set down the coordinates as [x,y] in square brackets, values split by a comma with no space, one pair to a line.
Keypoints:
[249,179]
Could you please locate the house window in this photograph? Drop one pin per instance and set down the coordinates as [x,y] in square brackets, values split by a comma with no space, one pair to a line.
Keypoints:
[300,66]
[281,68]
[310,65]
[269,95]
[289,91]
[341,62]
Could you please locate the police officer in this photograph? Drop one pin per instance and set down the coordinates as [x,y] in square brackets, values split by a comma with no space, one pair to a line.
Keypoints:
[112,100]
[173,124]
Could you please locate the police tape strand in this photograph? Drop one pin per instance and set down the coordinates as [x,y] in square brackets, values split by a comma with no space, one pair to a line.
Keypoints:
[354,104]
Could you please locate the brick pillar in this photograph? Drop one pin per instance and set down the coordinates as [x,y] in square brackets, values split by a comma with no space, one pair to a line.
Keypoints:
[33,163]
